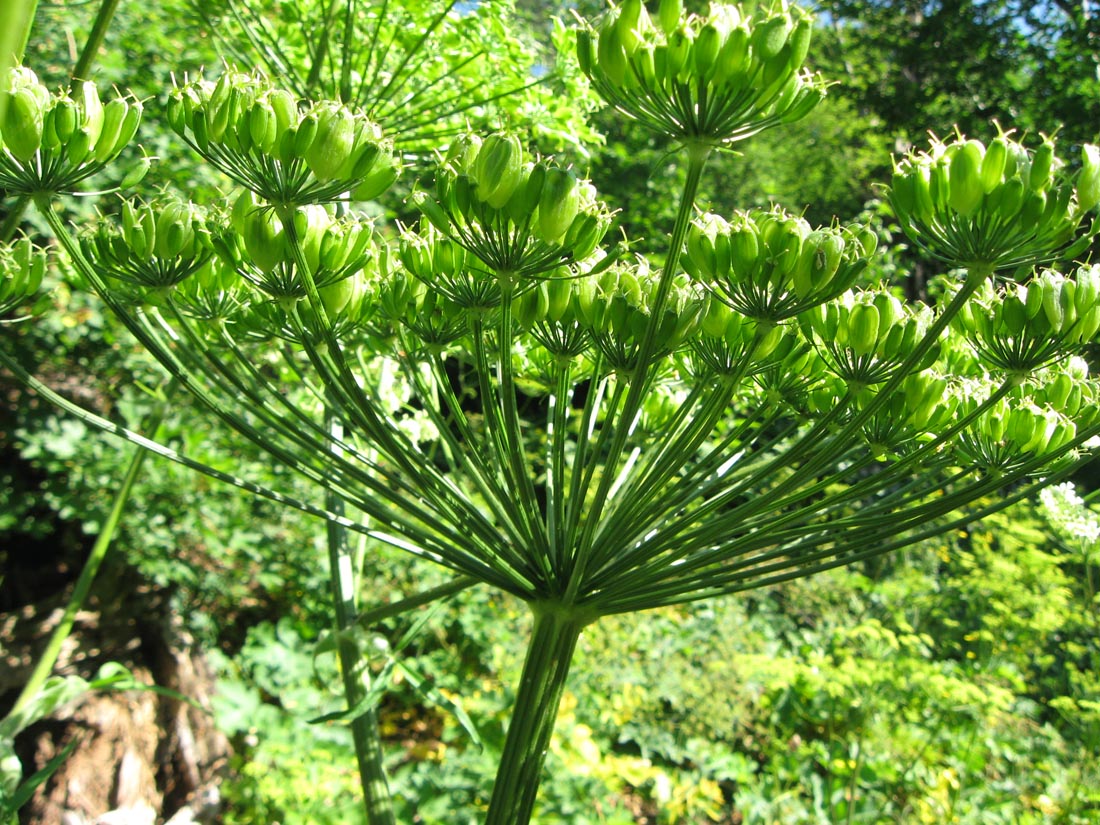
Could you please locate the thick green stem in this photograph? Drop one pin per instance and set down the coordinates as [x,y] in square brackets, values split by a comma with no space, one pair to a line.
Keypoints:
[364,728]
[95,40]
[44,667]
[549,655]
[16,21]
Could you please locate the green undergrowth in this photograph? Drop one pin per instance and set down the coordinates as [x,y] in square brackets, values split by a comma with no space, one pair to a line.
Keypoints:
[936,690]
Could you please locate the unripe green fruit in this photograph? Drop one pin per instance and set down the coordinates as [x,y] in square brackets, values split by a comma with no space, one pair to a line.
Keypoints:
[632,24]
[336,296]
[800,40]
[965,178]
[91,108]
[770,36]
[1013,200]
[993,164]
[734,56]
[611,55]
[498,169]
[262,126]
[1042,166]
[114,114]
[23,123]
[708,44]
[1088,181]
[1014,314]
[559,203]
[863,327]
[668,15]
[333,143]
[66,119]
[305,133]
[264,239]
[679,54]
[528,308]
[79,148]
[385,171]
[284,106]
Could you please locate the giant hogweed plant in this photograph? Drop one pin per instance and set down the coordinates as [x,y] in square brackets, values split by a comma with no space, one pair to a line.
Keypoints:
[423,70]
[609,435]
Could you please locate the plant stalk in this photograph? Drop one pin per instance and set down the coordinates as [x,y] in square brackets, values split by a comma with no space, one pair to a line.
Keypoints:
[549,655]
[44,666]
[353,664]
[95,41]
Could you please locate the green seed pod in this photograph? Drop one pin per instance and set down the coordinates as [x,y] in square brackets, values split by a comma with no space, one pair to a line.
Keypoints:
[310,225]
[1052,303]
[586,51]
[744,248]
[633,24]
[770,36]
[382,176]
[1042,166]
[678,59]
[529,307]
[332,145]
[336,296]
[284,106]
[175,235]
[22,267]
[1066,299]
[220,116]
[262,126]
[463,152]
[993,164]
[91,110]
[521,207]
[264,239]
[1088,289]
[1032,296]
[114,113]
[716,318]
[701,256]
[79,147]
[559,294]
[964,174]
[559,203]
[863,327]
[669,13]
[734,57]
[362,160]
[498,169]
[611,55]
[708,44]
[1013,315]
[584,235]
[1033,207]
[305,134]
[902,194]
[800,39]
[1013,199]
[1088,180]
[140,232]
[130,123]
[66,119]
[23,124]
[891,312]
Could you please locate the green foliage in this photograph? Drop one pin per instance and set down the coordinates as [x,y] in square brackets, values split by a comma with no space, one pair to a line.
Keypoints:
[875,695]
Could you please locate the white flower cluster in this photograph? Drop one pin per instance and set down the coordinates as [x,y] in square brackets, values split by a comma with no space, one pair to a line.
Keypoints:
[1069,515]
